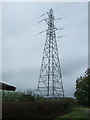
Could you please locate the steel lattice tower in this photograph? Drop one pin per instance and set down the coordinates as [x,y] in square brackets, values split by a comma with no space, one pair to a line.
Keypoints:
[50,79]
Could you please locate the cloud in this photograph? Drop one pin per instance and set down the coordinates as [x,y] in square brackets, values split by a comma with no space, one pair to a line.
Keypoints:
[22,54]
[22,79]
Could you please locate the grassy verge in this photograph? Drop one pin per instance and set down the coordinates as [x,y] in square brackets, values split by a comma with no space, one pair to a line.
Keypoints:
[76,113]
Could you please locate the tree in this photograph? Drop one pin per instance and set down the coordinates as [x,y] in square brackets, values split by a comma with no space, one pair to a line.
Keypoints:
[82,93]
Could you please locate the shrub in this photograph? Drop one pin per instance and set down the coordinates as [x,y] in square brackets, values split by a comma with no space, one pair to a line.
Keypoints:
[37,109]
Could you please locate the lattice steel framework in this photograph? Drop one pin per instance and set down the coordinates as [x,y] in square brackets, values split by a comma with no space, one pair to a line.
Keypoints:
[50,79]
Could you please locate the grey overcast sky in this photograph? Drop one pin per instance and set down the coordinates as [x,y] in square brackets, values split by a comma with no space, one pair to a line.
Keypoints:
[22,52]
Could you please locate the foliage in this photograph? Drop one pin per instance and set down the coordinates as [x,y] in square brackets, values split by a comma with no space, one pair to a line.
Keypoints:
[82,93]
[48,109]
[27,105]
[17,96]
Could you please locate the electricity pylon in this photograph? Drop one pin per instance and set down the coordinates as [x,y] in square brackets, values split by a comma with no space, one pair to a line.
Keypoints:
[50,79]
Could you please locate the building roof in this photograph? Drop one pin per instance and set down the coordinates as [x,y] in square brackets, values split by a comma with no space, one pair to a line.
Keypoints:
[4,86]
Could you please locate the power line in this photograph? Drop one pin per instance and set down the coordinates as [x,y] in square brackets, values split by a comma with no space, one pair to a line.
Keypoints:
[76,25]
[44,31]
[60,29]
[76,12]
[38,23]
[28,24]
[77,9]
[63,7]
[66,35]
[62,36]
[34,25]
[78,32]
[81,22]
[31,28]
[41,15]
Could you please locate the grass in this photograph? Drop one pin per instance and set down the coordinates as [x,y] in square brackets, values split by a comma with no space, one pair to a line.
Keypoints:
[76,113]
